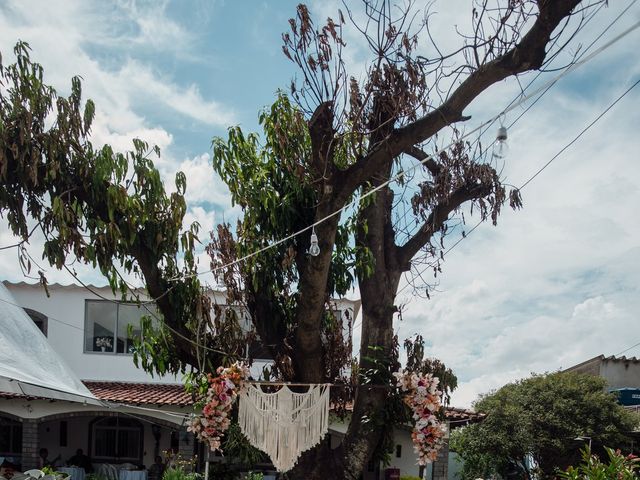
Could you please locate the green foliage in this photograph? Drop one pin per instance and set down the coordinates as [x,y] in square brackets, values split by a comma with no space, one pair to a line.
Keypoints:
[416,362]
[620,467]
[274,185]
[540,417]
[409,477]
[237,447]
[103,208]
[178,473]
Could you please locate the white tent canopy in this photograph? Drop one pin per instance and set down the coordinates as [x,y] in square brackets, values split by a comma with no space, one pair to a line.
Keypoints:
[28,364]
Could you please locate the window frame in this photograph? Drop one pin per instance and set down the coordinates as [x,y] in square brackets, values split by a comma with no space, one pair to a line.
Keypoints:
[139,427]
[14,440]
[114,338]
[36,317]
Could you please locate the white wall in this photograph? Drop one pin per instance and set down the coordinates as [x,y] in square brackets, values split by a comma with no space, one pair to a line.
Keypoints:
[65,310]
[408,461]
[67,304]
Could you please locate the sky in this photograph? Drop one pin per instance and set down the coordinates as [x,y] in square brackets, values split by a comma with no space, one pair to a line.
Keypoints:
[552,285]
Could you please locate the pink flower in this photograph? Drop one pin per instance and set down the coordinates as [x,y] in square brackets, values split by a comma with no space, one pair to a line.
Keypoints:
[221,394]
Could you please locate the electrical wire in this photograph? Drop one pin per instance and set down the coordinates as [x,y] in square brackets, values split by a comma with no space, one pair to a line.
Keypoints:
[543,167]
[543,89]
[419,163]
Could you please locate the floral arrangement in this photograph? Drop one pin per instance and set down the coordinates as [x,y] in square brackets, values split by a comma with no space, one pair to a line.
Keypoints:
[421,394]
[216,412]
[106,342]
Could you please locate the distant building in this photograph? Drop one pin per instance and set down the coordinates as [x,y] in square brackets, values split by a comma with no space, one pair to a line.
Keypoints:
[621,373]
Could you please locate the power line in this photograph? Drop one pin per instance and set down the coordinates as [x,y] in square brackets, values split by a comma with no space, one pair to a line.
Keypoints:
[627,349]
[420,162]
[541,169]
[543,89]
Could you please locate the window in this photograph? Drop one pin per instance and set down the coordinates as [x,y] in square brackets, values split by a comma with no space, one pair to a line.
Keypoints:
[107,326]
[398,451]
[116,439]
[39,319]
[10,437]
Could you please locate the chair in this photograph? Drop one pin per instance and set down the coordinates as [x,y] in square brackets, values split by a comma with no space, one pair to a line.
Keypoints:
[34,473]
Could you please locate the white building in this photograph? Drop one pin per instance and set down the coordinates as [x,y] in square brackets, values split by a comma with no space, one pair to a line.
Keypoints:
[148,414]
[91,336]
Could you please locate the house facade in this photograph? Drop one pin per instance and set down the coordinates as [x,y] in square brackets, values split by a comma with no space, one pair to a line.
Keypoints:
[143,416]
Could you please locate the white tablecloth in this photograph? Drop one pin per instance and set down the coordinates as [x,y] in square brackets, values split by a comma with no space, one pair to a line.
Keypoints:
[132,475]
[75,473]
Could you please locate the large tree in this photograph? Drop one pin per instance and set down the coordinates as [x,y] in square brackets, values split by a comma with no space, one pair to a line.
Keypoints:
[532,426]
[333,141]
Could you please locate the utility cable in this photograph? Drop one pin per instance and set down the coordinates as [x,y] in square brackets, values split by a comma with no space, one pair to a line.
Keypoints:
[542,168]
[400,175]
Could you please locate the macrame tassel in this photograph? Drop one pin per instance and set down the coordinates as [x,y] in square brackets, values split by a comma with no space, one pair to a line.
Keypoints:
[284,424]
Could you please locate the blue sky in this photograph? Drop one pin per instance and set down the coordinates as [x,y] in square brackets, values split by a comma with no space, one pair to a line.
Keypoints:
[552,285]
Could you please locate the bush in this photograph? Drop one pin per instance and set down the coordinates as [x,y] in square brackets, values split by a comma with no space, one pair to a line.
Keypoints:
[620,467]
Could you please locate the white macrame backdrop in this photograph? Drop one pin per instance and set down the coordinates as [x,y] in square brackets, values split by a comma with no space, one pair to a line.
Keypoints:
[284,424]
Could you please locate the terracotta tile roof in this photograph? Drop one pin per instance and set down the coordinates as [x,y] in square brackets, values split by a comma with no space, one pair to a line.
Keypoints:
[140,393]
[454,414]
[131,393]
[174,394]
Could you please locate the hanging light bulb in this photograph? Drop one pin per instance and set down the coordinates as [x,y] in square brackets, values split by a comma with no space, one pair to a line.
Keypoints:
[314,248]
[500,146]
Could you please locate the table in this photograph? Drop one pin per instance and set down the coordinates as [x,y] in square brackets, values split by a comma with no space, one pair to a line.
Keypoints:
[75,473]
[132,475]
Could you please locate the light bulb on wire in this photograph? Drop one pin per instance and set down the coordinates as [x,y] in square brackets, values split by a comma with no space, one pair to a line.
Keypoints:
[500,146]
[314,248]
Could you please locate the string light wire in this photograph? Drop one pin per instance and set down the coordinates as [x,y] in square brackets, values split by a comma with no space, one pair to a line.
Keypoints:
[420,163]
[541,169]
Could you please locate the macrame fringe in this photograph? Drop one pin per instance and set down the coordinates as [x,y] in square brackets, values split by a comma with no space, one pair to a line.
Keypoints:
[284,424]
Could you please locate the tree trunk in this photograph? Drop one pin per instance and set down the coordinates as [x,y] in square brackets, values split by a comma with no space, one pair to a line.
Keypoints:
[377,292]
[309,362]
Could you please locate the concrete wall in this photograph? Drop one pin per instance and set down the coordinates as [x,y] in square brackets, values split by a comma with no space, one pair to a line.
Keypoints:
[67,304]
[621,373]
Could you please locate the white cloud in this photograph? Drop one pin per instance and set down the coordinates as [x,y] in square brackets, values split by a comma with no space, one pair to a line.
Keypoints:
[60,35]
[552,285]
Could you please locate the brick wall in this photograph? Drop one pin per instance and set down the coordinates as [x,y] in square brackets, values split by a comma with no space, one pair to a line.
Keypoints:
[29,444]
[441,465]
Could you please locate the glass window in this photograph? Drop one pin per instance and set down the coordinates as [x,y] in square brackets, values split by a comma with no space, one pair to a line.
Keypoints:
[39,319]
[117,439]
[107,326]
[128,315]
[10,437]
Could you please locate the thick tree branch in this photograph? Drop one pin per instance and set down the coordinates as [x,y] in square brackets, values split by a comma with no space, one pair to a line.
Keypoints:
[435,221]
[529,54]
[425,159]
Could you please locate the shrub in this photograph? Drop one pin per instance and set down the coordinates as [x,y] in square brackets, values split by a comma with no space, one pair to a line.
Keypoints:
[620,467]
